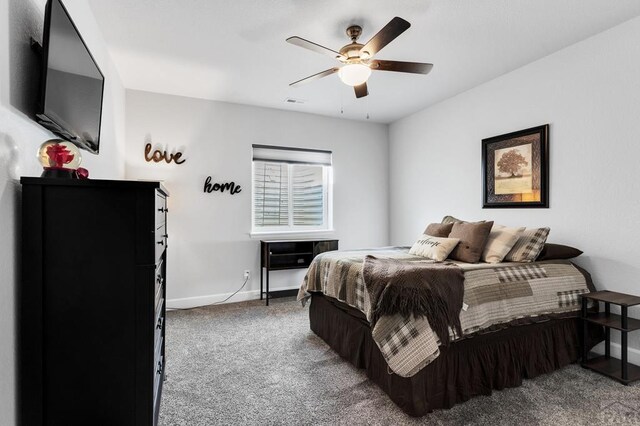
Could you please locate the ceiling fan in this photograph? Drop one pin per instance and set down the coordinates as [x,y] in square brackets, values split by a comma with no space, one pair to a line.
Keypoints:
[357,59]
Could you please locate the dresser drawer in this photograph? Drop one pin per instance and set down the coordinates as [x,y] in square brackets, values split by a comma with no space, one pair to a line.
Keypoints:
[157,380]
[159,275]
[158,335]
[159,307]
[161,210]
[158,323]
[160,241]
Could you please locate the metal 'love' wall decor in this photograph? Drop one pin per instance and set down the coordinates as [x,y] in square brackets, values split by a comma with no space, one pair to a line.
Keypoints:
[159,155]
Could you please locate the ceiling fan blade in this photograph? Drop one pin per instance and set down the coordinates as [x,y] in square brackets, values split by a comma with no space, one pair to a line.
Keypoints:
[393,29]
[298,41]
[315,76]
[361,90]
[398,66]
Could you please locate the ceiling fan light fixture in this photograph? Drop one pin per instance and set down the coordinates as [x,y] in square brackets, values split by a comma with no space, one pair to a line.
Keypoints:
[354,74]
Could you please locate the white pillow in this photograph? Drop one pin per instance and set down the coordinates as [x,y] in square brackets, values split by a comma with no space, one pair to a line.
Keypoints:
[434,247]
[500,242]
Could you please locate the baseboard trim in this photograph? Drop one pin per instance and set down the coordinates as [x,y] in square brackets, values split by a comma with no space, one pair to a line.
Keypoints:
[210,299]
[616,351]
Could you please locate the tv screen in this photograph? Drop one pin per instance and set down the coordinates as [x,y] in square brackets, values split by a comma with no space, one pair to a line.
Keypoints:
[71,104]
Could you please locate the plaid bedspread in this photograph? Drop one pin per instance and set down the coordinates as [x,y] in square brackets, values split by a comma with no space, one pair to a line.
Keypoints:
[493,294]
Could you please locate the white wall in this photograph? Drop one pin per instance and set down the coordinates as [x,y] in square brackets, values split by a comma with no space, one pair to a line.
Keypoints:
[590,95]
[209,242]
[20,137]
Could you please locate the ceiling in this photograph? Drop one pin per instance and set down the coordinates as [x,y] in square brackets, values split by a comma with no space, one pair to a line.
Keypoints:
[235,51]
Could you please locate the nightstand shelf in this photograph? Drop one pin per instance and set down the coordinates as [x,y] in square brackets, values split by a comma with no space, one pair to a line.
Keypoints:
[618,369]
[613,321]
[611,367]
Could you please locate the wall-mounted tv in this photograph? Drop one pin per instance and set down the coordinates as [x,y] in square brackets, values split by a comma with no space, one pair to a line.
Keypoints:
[72,83]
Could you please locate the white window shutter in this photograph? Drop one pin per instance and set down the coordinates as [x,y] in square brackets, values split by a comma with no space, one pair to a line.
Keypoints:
[290,189]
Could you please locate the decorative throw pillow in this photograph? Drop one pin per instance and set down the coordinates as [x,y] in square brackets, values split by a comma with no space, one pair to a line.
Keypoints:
[558,251]
[473,238]
[528,246]
[433,247]
[440,230]
[451,219]
[500,242]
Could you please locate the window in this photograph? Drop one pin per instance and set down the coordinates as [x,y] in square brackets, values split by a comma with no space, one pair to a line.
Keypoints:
[291,190]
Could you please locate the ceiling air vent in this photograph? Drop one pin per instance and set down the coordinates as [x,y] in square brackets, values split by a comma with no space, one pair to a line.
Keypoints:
[294,101]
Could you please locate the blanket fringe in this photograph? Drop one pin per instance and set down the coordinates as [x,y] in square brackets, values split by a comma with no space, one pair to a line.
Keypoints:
[418,302]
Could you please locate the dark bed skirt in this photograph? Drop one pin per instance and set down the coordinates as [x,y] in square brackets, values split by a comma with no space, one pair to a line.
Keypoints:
[469,367]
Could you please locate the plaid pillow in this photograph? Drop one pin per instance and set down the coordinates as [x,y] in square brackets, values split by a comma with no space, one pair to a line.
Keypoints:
[528,246]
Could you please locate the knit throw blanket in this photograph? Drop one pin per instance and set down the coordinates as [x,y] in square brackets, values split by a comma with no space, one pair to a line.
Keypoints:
[432,290]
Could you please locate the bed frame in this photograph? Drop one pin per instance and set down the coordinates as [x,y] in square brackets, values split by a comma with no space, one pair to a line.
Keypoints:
[473,366]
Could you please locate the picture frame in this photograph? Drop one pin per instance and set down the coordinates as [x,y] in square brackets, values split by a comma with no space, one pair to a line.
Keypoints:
[515,169]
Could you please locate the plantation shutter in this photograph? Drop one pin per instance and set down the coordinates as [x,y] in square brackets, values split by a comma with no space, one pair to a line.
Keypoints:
[271,194]
[308,195]
[289,186]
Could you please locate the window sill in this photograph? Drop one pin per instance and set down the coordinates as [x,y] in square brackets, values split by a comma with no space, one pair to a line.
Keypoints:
[292,234]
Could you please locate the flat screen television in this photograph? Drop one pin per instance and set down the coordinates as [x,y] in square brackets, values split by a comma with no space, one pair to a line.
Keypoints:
[72,83]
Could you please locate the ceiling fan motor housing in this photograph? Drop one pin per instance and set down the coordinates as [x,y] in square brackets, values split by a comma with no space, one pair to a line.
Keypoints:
[352,50]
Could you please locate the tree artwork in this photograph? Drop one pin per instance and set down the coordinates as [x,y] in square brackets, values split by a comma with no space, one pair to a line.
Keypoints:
[511,162]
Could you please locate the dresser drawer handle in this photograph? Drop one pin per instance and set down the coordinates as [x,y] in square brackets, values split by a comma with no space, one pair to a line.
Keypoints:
[163,210]
[159,370]
[159,279]
[161,242]
[159,325]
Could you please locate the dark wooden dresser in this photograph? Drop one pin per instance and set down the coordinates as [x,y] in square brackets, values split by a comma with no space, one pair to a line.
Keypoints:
[92,302]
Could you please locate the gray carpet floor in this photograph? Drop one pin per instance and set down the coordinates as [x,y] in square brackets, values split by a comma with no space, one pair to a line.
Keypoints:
[245,363]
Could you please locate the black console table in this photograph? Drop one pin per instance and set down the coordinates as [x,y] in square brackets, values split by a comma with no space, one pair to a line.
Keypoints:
[278,255]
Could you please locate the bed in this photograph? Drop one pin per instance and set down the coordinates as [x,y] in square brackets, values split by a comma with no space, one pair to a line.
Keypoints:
[517,321]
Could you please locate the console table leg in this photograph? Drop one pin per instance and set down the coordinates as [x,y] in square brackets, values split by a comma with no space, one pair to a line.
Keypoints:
[584,330]
[607,333]
[267,294]
[623,337]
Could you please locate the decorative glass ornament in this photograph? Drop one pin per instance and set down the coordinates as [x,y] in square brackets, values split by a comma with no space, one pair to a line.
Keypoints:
[59,158]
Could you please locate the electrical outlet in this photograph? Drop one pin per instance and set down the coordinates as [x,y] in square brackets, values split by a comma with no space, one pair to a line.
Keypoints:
[247,274]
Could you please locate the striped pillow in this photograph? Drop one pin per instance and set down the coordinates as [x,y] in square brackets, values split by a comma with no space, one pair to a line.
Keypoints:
[529,245]
[501,241]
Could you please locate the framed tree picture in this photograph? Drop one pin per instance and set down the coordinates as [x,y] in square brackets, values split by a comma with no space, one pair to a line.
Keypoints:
[515,169]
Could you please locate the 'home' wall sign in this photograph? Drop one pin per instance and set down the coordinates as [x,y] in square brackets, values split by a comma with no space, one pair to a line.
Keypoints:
[230,187]
[157,156]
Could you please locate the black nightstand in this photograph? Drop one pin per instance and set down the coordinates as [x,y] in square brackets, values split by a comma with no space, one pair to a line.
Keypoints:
[618,369]
[279,255]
